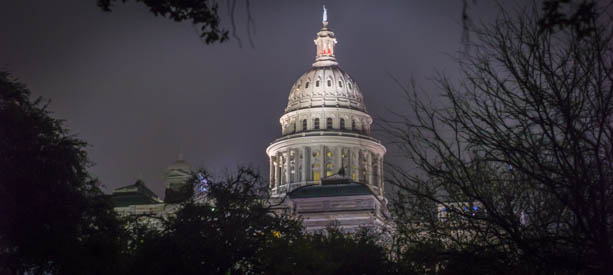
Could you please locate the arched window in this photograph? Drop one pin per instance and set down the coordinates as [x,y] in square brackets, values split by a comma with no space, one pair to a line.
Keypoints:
[316,173]
[306,85]
[316,123]
[329,169]
[317,83]
[329,123]
[304,125]
[347,84]
[342,124]
[353,124]
[329,82]
[340,84]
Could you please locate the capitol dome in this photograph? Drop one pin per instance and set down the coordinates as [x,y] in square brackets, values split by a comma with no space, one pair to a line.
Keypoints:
[325,129]
[325,86]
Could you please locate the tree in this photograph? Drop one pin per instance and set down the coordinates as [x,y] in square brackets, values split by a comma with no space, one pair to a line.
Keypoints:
[55,219]
[228,232]
[202,13]
[517,162]
[329,252]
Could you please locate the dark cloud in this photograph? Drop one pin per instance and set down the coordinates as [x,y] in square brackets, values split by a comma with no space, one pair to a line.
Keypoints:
[140,89]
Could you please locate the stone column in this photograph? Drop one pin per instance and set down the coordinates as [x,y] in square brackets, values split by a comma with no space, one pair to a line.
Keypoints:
[271,172]
[305,164]
[278,167]
[337,158]
[352,156]
[369,174]
[322,162]
[381,182]
[286,164]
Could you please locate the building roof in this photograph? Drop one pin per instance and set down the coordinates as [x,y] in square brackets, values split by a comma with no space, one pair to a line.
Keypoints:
[330,190]
[325,84]
[134,194]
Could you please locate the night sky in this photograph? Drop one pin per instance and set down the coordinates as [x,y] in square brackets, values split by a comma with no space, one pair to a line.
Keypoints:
[142,89]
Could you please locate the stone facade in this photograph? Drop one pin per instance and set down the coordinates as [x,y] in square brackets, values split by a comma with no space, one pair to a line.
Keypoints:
[325,128]
[325,152]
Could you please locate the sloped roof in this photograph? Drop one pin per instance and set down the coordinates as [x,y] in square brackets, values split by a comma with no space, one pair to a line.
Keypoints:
[134,194]
[330,190]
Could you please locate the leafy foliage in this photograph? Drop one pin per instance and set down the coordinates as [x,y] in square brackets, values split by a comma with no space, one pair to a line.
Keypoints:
[202,13]
[525,138]
[227,233]
[54,217]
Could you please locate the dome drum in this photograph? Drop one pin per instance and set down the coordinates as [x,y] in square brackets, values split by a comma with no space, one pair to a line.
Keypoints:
[304,161]
[325,119]
[325,129]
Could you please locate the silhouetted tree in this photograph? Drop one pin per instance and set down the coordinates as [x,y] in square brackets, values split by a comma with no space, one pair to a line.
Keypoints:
[516,159]
[227,232]
[329,252]
[55,219]
[203,14]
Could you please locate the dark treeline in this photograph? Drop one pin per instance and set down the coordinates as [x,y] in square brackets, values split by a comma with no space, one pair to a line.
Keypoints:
[511,172]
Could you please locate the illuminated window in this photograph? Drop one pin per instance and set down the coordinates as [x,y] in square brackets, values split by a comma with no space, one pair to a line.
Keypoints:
[316,123]
[316,174]
[340,84]
[306,85]
[329,169]
[329,154]
[329,123]
[329,82]
[304,125]
[316,154]
[317,83]
[342,124]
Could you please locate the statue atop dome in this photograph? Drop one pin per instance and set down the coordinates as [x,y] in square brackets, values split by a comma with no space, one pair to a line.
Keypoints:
[325,42]
[325,15]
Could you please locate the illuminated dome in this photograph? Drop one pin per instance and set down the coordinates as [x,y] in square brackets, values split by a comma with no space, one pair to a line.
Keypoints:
[179,164]
[178,172]
[325,84]
[325,130]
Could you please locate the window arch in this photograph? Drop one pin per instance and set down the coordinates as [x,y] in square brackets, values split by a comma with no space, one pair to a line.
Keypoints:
[342,124]
[329,123]
[304,125]
[329,82]
[329,169]
[316,123]
[316,173]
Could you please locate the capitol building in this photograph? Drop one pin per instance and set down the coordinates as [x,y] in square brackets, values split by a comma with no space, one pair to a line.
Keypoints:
[324,168]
